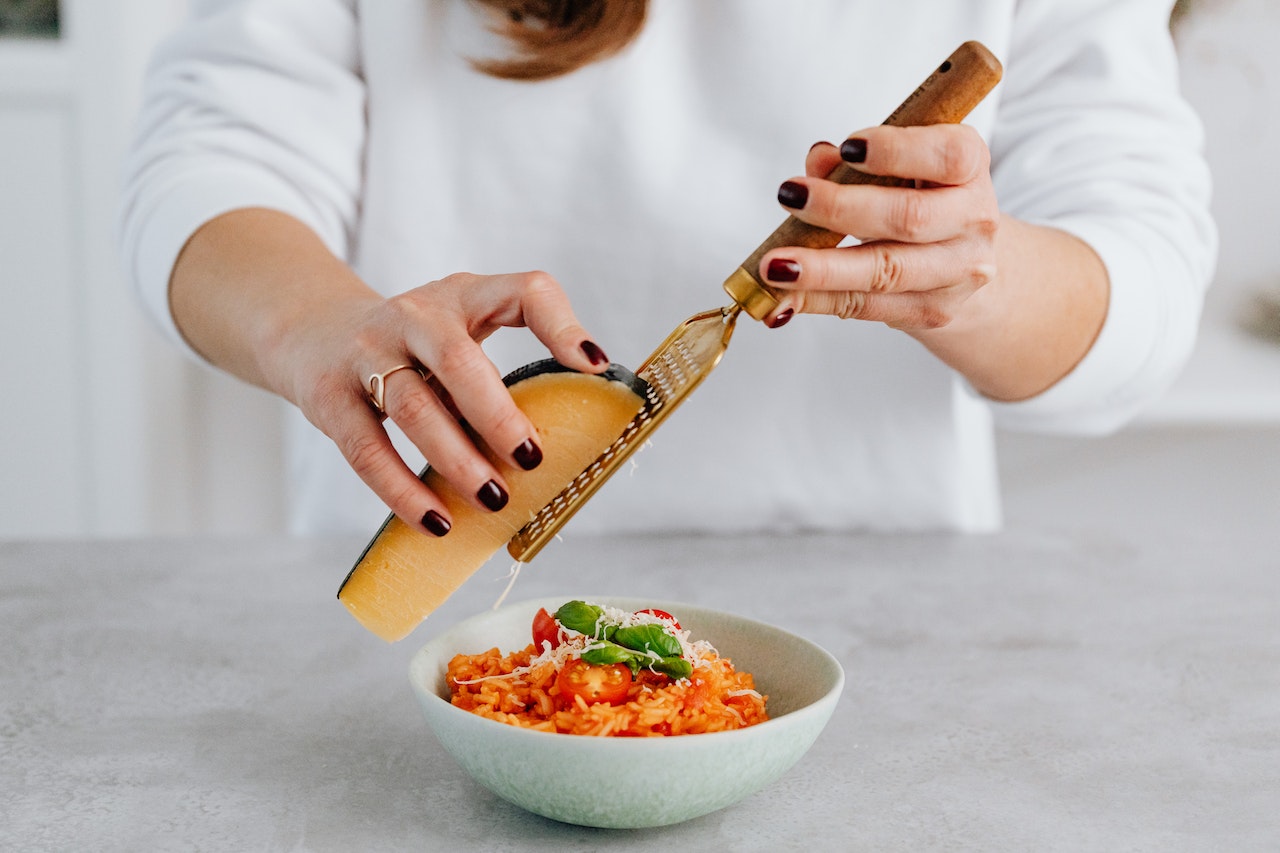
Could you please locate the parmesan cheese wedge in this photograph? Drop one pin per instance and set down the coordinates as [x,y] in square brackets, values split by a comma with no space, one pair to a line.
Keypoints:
[403,574]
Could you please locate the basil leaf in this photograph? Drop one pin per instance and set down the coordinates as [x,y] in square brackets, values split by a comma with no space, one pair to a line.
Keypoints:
[645,638]
[581,617]
[675,667]
[608,653]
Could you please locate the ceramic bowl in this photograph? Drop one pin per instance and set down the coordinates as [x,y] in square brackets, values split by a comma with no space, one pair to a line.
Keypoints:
[634,782]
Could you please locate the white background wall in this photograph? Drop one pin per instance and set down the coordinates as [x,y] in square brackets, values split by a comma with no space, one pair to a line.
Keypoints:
[1230,74]
[107,432]
[104,429]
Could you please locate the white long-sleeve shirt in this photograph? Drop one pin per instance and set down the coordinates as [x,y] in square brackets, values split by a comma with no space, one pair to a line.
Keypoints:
[642,181]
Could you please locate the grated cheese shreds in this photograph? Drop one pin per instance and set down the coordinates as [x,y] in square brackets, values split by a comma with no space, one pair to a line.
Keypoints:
[511,577]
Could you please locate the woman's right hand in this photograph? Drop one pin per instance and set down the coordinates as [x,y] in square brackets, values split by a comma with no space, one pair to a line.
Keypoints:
[258,294]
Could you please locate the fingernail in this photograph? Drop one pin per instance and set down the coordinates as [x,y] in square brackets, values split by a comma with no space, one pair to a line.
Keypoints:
[435,523]
[528,455]
[782,269]
[793,195]
[782,319]
[853,150]
[492,496]
[594,353]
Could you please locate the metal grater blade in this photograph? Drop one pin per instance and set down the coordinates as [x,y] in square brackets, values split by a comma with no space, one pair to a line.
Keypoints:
[675,368]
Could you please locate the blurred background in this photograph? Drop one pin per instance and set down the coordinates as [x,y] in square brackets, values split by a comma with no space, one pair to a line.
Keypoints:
[108,432]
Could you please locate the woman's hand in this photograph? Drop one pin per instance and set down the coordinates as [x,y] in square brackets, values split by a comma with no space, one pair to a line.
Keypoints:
[435,328]
[1011,306]
[258,294]
[924,249]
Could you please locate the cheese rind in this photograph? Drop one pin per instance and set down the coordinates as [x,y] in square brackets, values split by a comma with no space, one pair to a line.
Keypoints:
[403,574]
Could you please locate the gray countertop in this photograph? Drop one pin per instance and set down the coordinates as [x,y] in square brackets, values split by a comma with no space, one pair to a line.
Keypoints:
[1089,679]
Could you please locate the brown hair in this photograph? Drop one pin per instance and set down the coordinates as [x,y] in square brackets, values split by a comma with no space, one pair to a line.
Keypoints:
[553,37]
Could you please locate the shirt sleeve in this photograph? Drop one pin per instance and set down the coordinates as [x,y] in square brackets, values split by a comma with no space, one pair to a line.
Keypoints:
[1093,137]
[251,103]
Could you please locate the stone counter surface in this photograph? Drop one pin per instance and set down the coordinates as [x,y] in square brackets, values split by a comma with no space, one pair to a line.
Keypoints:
[1083,681]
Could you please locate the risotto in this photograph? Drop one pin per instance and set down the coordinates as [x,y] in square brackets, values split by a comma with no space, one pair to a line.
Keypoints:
[599,671]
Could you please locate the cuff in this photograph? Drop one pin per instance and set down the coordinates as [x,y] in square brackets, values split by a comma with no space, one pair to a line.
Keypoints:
[1108,386]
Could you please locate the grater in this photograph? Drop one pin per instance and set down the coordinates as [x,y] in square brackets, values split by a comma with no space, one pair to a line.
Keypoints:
[692,351]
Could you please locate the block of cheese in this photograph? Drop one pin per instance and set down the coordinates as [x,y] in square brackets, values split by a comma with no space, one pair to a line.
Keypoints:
[403,574]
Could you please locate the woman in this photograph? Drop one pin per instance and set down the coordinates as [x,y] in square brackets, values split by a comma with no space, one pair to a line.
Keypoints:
[592,170]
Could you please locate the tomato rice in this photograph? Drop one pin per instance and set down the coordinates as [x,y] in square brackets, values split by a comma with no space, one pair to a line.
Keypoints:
[507,688]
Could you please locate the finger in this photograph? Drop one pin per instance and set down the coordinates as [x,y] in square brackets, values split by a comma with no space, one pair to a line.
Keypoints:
[546,310]
[534,300]
[822,158]
[905,214]
[947,154]
[429,423]
[359,435]
[914,311]
[877,267]
[443,332]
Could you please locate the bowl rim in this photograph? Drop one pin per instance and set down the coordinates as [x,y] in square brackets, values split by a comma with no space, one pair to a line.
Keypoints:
[820,705]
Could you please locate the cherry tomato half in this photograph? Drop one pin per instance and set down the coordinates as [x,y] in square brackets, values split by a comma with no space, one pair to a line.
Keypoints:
[594,683]
[661,614]
[545,629]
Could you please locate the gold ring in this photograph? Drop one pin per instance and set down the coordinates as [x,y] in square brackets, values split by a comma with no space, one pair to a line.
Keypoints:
[378,385]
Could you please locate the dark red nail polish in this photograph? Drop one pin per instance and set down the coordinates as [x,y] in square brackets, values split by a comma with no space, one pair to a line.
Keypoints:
[594,353]
[782,270]
[854,150]
[793,195]
[528,455]
[782,319]
[492,496]
[435,523]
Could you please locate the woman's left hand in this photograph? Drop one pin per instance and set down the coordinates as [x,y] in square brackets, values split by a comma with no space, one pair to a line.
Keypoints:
[924,248]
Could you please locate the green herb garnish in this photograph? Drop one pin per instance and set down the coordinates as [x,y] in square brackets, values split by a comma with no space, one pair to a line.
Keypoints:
[675,667]
[585,619]
[650,646]
[644,638]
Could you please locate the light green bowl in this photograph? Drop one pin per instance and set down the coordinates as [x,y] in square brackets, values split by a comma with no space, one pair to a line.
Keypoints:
[634,782]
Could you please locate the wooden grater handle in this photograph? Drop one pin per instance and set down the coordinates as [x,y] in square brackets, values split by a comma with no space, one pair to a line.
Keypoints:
[948,95]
